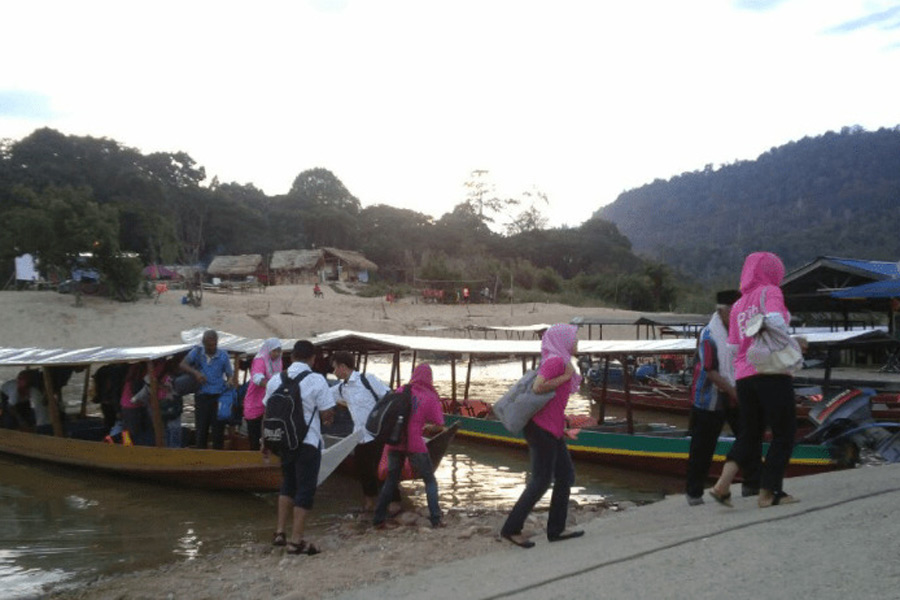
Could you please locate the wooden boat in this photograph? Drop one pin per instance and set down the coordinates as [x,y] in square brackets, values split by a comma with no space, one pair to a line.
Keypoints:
[656,450]
[211,469]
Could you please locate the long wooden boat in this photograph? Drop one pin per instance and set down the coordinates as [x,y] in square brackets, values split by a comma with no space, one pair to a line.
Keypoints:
[663,452]
[190,467]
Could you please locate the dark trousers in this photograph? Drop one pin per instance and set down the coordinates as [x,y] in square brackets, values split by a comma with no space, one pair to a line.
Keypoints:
[137,421]
[550,462]
[206,408]
[421,464]
[706,426]
[254,432]
[766,401]
[366,457]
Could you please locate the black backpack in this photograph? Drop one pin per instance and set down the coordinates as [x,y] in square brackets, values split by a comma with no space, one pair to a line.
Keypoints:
[284,425]
[389,418]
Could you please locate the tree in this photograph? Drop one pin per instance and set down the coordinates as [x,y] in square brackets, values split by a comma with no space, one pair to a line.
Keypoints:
[530,219]
[327,210]
[482,200]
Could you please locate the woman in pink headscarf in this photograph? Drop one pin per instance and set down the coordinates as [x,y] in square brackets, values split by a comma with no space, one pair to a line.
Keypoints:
[765,400]
[425,411]
[266,363]
[550,459]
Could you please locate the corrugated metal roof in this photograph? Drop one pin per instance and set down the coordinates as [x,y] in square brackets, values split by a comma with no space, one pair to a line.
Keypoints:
[24,357]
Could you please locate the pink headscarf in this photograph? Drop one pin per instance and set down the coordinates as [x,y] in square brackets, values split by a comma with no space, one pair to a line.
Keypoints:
[559,340]
[272,366]
[422,382]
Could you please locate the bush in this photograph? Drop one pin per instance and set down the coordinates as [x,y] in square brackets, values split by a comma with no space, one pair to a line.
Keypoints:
[549,281]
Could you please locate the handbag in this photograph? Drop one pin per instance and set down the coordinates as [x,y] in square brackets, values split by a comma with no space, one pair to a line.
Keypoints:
[772,350]
[516,407]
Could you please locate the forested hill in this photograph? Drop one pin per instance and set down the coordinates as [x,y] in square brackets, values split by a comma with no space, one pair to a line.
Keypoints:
[837,194]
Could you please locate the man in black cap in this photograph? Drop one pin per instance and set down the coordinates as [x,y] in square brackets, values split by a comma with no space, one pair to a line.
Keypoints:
[715,399]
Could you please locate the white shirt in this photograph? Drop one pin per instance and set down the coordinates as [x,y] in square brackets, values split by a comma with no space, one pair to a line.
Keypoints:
[314,392]
[359,399]
[35,398]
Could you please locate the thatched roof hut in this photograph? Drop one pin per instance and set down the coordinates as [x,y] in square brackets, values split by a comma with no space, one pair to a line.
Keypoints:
[296,266]
[237,267]
[347,265]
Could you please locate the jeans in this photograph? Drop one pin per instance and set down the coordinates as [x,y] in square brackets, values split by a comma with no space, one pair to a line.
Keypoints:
[206,408]
[550,462]
[173,433]
[421,464]
[766,401]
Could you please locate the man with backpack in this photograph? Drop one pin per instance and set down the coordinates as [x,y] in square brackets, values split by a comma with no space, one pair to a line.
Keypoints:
[300,461]
[360,391]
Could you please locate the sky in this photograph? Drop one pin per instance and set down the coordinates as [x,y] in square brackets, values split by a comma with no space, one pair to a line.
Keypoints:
[404,99]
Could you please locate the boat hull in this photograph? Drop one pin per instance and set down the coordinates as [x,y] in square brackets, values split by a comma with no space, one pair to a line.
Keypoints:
[662,453]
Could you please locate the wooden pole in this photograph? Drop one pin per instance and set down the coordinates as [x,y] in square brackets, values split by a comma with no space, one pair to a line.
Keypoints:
[415,355]
[155,414]
[84,392]
[626,384]
[453,378]
[468,378]
[52,404]
[601,415]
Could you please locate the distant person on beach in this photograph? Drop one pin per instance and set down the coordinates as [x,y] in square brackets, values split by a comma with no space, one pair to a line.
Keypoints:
[359,392]
[550,459]
[465,295]
[426,417]
[265,365]
[300,468]
[715,400]
[212,369]
[764,400]
[317,291]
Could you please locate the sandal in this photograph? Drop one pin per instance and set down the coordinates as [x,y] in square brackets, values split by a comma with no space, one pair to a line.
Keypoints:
[777,499]
[522,542]
[302,548]
[723,499]
[279,539]
[566,535]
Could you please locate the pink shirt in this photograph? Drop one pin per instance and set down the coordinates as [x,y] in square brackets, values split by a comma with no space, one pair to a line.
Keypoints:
[552,418]
[426,408]
[762,271]
[253,400]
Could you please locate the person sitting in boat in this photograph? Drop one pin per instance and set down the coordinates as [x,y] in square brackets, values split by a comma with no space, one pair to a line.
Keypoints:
[24,405]
[359,392]
[212,369]
[425,417]
[265,365]
[300,468]
[714,400]
[136,418]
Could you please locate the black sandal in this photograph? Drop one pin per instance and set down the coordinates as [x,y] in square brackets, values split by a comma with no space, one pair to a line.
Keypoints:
[567,535]
[279,539]
[302,548]
[525,543]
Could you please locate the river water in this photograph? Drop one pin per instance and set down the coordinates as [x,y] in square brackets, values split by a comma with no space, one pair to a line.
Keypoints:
[61,526]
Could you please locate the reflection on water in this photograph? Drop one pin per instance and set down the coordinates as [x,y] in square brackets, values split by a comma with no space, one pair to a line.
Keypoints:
[61,526]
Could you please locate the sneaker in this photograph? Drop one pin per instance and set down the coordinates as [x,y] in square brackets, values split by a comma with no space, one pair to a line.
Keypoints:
[694,500]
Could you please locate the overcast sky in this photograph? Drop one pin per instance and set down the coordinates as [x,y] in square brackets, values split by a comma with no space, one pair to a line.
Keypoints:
[403,99]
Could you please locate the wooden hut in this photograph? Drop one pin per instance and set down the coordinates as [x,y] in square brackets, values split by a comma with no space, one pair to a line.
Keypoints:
[296,266]
[347,265]
[238,268]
